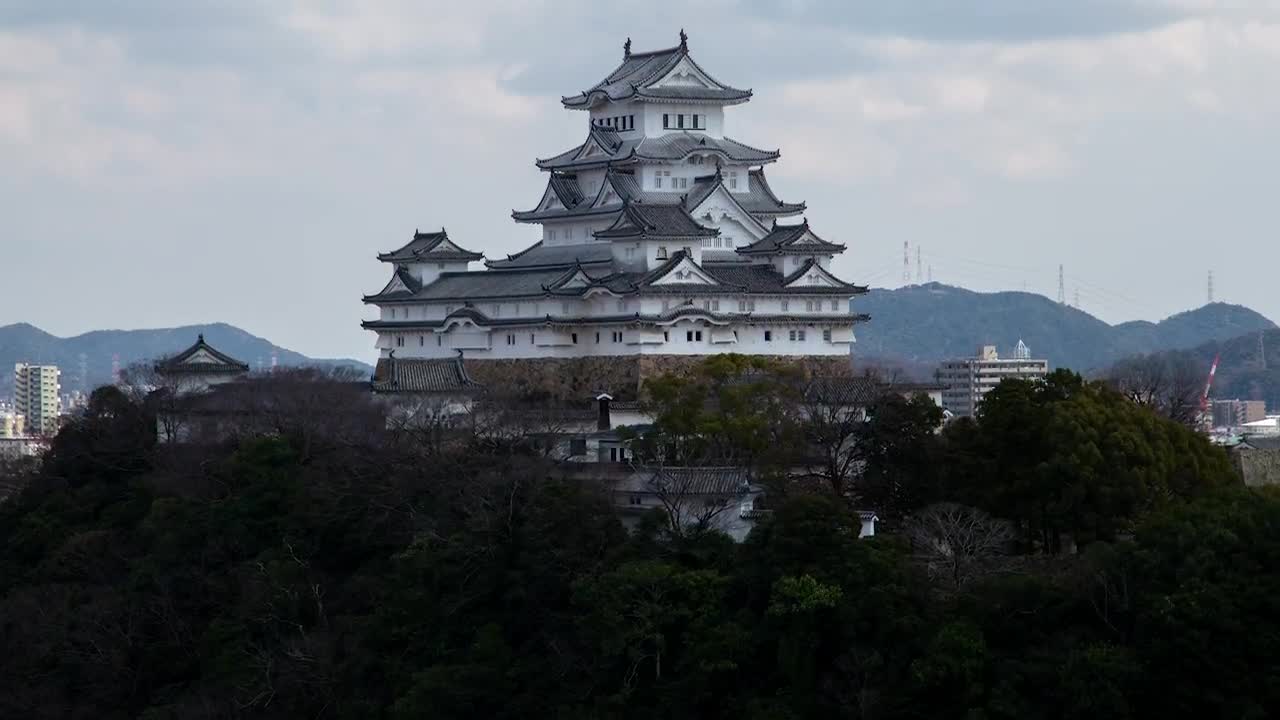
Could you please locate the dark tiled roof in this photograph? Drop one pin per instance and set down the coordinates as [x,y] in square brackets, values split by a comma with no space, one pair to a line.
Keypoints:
[178,364]
[422,375]
[490,284]
[660,221]
[555,256]
[671,146]
[424,246]
[784,239]
[837,390]
[565,186]
[639,69]
[541,270]
[760,278]
[701,480]
[760,200]
[679,145]
[622,184]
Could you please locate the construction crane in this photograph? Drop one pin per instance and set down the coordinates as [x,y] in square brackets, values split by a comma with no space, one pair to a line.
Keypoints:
[1206,417]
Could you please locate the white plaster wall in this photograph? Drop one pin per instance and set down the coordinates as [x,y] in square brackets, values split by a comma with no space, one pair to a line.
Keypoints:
[534,342]
[653,113]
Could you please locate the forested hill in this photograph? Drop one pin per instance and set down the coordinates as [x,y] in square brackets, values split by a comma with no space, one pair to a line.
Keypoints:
[923,324]
[23,342]
[1248,366]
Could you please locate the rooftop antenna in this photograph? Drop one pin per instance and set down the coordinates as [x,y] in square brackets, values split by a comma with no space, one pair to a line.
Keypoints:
[1062,290]
[1210,287]
[919,266]
[906,264]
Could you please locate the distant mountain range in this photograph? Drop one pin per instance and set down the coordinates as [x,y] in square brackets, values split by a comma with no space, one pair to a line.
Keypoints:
[912,328]
[26,343]
[920,325]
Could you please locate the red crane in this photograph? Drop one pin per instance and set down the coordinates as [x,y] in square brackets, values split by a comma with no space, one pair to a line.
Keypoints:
[1204,399]
[1206,417]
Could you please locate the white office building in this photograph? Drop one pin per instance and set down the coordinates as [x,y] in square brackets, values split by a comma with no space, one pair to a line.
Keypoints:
[966,380]
[37,396]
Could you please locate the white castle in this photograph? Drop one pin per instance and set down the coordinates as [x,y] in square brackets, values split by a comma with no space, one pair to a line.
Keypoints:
[660,236]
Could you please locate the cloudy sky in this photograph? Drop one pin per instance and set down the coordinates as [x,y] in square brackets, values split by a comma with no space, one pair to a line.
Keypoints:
[164,163]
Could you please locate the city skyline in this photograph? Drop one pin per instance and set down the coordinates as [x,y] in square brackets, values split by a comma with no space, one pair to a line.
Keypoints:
[226,162]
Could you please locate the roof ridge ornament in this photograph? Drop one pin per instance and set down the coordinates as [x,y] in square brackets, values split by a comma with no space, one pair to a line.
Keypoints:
[684,40]
[626,49]
[200,338]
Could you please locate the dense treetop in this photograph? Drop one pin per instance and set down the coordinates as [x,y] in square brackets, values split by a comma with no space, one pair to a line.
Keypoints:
[323,569]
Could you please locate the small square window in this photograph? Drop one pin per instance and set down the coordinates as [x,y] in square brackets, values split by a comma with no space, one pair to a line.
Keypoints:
[800,335]
[666,121]
[791,336]
[680,119]
[826,336]
[574,337]
[688,336]
[698,336]
[785,305]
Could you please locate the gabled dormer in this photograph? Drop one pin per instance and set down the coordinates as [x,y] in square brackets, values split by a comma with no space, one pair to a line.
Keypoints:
[645,236]
[429,254]
[713,204]
[679,269]
[812,275]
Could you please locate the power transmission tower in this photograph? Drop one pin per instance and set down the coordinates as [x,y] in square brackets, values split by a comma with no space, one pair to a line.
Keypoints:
[906,264]
[1210,287]
[1062,288]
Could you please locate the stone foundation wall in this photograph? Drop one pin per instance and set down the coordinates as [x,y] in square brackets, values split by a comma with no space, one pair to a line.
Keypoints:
[1258,467]
[622,377]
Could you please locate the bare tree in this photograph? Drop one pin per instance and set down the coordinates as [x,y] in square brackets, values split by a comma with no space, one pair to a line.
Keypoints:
[696,497]
[958,542]
[1168,383]
[832,413]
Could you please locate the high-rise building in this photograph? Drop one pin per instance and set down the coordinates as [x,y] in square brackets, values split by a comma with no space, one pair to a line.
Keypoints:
[966,380]
[659,236]
[1234,413]
[37,395]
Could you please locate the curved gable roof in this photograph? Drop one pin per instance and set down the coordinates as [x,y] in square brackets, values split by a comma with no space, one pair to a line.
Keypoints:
[639,72]
[429,247]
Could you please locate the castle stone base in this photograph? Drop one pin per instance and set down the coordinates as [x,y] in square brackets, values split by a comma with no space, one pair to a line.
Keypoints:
[575,379]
